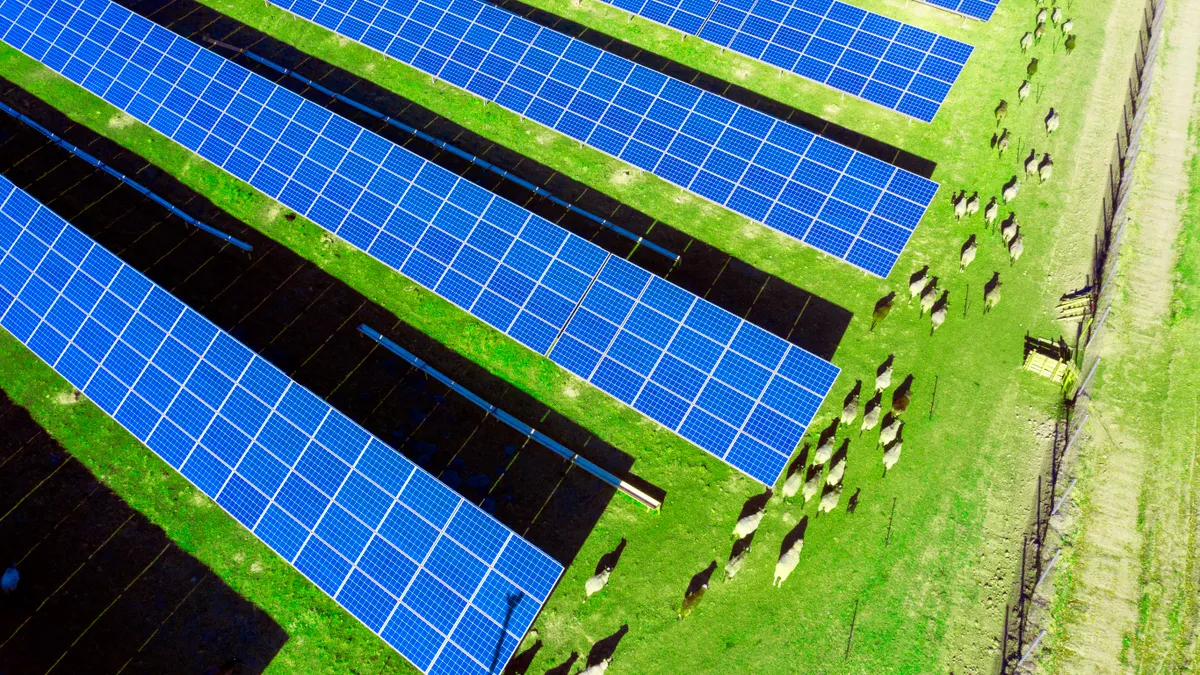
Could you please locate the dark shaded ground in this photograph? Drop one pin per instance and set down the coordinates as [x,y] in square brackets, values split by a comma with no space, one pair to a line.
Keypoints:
[305,321]
[102,589]
[788,311]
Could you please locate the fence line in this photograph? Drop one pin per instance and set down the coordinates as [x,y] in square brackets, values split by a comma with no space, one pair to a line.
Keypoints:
[1018,654]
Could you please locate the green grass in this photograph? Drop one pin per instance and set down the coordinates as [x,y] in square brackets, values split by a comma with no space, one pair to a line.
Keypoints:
[933,597]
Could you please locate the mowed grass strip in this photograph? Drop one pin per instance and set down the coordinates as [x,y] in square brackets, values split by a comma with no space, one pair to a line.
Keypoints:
[966,469]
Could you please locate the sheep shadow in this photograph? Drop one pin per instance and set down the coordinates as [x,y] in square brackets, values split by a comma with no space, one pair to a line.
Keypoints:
[606,647]
[519,665]
[700,579]
[852,505]
[564,668]
[841,453]
[828,432]
[609,560]
[793,536]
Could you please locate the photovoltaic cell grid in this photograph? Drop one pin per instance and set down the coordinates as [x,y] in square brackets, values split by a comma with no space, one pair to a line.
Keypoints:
[895,65]
[735,390]
[975,9]
[841,202]
[437,578]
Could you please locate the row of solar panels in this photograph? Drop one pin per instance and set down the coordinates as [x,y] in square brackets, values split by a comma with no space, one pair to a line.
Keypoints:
[449,587]
[841,202]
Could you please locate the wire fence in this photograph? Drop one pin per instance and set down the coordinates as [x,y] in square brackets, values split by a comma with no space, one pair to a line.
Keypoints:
[1042,545]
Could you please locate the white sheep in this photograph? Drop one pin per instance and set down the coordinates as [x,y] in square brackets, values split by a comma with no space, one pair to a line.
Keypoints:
[830,499]
[917,286]
[1010,192]
[792,485]
[836,472]
[748,524]
[891,456]
[1031,164]
[967,257]
[992,297]
[850,411]
[824,451]
[1010,229]
[1016,248]
[1068,26]
[597,582]
[597,669]
[883,380]
[1023,91]
[1056,17]
[1026,42]
[871,416]
[928,298]
[992,212]
[1052,122]
[8,582]
[811,487]
[787,562]
[889,431]
[1046,168]
[735,563]
[960,207]
[937,318]
[973,204]
[1042,15]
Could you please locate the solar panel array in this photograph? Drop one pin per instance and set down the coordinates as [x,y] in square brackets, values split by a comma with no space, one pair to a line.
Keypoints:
[737,391]
[975,9]
[895,65]
[450,588]
[844,203]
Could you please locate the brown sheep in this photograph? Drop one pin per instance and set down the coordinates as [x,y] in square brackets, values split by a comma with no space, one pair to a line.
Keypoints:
[1039,32]
[1069,45]
[1032,68]
[1045,168]
[900,403]
[690,602]
[1001,111]
[882,309]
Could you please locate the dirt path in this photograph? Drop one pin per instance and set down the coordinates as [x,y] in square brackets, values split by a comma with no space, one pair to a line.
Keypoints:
[1134,552]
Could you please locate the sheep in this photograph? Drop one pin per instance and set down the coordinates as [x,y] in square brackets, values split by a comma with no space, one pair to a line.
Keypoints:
[917,286]
[891,456]
[1067,26]
[1016,248]
[1001,111]
[968,254]
[900,404]
[787,562]
[991,297]
[1026,42]
[791,485]
[1046,168]
[1032,68]
[1010,191]
[1052,122]
[1023,91]
[973,204]
[1009,229]
[850,411]
[1003,143]
[735,563]
[824,451]
[597,582]
[882,310]
[1039,32]
[991,212]
[937,318]
[960,207]
[883,380]
[1042,15]
[830,499]
[748,524]
[889,432]
[928,298]
[690,602]
[599,668]
[1031,163]
[836,472]
[9,581]
[811,486]
[1069,45]
[1056,16]
[871,416]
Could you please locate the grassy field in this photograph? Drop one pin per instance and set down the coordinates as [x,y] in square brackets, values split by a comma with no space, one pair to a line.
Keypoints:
[930,599]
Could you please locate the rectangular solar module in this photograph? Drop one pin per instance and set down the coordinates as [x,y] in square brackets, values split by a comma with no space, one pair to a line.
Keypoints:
[445,584]
[881,60]
[844,203]
[735,390]
[974,9]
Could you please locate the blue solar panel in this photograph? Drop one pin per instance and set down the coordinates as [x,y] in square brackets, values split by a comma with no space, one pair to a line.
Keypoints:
[763,168]
[441,581]
[895,65]
[975,9]
[550,290]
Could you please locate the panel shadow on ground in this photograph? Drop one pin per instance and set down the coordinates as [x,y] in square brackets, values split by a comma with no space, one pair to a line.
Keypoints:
[794,314]
[102,588]
[306,322]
